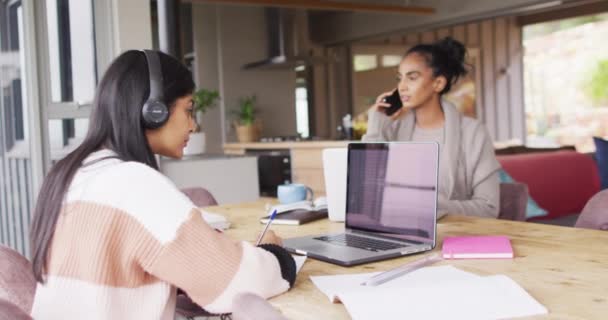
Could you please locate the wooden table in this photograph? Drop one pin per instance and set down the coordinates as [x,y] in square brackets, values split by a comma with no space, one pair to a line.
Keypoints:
[565,269]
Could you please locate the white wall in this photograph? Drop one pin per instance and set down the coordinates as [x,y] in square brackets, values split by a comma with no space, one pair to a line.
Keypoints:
[226,38]
[206,71]
[132,25]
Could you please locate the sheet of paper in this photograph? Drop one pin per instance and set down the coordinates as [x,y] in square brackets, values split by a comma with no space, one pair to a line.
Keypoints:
[216,220]
[332,286]
[493,297]
[299,262]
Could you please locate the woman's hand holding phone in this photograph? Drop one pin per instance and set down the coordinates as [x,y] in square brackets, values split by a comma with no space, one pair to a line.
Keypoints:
[389,103]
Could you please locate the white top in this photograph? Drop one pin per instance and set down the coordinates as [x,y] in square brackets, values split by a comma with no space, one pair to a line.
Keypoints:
[425,135]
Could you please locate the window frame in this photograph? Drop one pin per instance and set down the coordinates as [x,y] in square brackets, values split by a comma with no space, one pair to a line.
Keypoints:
[104,51]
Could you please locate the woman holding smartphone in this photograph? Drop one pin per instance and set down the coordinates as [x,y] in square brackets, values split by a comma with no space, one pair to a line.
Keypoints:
[468,169]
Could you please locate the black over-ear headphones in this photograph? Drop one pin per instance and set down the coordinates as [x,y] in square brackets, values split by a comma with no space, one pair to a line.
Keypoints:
[155,112]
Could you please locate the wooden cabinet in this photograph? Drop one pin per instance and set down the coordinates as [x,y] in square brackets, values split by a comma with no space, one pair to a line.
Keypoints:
[306,159]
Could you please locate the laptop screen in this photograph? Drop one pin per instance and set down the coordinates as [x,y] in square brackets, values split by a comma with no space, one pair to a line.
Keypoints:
[392,189]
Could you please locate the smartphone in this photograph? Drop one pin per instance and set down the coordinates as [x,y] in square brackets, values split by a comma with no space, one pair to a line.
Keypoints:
[395,101]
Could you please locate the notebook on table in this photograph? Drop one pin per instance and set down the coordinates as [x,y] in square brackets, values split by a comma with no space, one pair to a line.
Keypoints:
[391,205]
[297,216]
[298,212]
[215,220]
[477,247]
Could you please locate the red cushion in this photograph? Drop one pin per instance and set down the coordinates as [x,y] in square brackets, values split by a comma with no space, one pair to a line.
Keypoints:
[561,182]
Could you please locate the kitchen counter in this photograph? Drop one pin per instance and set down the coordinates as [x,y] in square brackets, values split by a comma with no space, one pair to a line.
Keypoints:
[209,171]
[285,145]
[306,158]
[204,156]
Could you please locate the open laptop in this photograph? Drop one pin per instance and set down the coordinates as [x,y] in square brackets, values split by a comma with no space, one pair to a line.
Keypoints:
[391,205]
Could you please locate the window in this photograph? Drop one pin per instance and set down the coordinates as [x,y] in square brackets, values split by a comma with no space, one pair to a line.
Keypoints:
[72,72]
[390,60]
[302,112]
[16,200]
[565,81]
[374,71]
[364,62]
[71,50]
[13,122]
[65,138]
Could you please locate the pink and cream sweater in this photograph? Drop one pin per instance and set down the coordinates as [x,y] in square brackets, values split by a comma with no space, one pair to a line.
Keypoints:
[127,238]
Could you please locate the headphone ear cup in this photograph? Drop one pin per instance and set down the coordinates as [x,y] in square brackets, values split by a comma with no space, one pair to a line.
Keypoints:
[154,114]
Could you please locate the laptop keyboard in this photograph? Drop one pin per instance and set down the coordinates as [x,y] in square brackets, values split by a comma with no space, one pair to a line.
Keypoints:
[364,243]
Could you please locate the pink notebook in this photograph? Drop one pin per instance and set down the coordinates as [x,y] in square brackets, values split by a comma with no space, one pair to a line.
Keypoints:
[480,247]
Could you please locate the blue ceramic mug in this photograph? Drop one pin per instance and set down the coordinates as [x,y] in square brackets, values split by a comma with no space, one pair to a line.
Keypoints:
[289,193]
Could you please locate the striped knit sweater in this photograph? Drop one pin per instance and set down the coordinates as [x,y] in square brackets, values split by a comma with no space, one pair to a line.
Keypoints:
[127,238]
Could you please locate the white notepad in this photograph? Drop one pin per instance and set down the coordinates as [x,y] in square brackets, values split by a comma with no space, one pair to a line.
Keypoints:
[333,286]
[442,292]
[493,297]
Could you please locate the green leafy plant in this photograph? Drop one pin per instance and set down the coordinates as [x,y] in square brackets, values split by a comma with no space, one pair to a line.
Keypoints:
[203,100]
[597,87]
[246,111]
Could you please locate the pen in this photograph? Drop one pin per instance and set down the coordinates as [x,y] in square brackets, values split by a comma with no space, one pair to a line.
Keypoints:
[274,213]
[401,270]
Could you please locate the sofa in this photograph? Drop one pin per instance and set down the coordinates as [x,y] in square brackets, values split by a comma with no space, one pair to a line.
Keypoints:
[561,182]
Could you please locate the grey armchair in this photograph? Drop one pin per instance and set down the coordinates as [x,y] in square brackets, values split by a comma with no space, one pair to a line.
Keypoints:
[513,201]
[201,197]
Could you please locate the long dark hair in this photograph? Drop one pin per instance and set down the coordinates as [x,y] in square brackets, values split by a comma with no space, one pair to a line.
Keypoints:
[116,124]
[446,58]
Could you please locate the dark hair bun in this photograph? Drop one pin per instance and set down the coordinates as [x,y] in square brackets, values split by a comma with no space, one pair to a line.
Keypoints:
[451,54]
[454,49]
[446,58]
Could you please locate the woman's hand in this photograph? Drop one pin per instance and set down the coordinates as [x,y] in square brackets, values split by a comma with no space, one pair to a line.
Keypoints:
[271,238]
[380,105]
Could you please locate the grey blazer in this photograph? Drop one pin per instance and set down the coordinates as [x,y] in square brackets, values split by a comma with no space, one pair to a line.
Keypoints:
[470,170]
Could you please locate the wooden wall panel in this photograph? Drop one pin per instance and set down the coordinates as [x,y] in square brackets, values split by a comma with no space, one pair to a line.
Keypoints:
[473,35]
[472,40]
[412,38]
[458,33]
[428,36]
[489,79]
[444,32]
[501,52]
[515,72]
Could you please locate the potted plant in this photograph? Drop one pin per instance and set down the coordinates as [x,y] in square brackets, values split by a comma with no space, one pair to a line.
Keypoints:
[247,126]
[203,100]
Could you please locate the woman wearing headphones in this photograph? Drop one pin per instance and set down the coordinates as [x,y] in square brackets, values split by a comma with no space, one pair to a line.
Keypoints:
[112,237]
[468,169]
